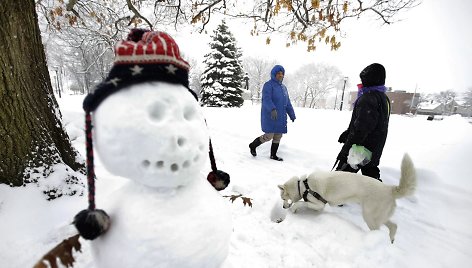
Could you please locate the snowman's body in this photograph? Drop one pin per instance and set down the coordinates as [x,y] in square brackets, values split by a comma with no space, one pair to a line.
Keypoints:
[167,215]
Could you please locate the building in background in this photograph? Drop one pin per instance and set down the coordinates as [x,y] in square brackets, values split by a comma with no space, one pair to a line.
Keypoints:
[401,101]
[450,108]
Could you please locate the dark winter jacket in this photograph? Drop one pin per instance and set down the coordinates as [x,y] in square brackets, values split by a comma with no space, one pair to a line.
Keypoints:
[275,96]
[368,126]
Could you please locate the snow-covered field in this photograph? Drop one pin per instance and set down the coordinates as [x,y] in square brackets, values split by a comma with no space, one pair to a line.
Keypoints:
[433,225]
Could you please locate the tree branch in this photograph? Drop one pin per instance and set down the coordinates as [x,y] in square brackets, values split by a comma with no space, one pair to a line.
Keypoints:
[136,13]
[70,7]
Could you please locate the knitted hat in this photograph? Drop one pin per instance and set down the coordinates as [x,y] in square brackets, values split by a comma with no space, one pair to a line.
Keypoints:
[373,75]
[145,56]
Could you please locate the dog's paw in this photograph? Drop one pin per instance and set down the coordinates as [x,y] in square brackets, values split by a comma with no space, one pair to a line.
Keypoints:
[294,209]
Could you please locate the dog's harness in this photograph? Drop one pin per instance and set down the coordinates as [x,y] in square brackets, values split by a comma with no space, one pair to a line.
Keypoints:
[309,191]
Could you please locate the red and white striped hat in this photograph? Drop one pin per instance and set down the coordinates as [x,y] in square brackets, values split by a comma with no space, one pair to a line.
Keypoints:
[143,57]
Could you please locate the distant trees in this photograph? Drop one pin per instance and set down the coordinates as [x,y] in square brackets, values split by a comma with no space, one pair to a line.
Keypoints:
[79,38]
[82,33]
[194,75]
[468,100]
[258,70]
[468,96]
[222,78]
[313,82]
[446,98]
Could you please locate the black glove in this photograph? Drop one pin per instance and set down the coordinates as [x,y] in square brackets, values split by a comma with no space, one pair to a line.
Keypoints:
[273,114]
[343,137]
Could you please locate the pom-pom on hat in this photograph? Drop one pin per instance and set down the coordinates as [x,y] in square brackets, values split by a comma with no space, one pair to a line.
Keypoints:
[144,57]
[373,75]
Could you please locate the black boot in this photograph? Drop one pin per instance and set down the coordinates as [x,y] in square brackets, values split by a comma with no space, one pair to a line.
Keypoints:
[253,145]
[273,152]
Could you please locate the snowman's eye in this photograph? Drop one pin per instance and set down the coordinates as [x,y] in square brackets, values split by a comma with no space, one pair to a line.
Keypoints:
[181,141]
[189,113]
[157,111]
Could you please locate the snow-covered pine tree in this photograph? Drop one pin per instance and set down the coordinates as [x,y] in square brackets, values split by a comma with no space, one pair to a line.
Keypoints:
[223,75]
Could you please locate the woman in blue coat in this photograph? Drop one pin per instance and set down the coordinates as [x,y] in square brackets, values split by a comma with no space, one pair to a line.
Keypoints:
[275,107]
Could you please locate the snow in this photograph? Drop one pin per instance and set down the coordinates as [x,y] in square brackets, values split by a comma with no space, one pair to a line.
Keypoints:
[433,225]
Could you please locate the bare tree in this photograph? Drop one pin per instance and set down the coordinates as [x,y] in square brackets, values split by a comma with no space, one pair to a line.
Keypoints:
[33,142]
[312,21]
[308,21]
[195,73]
[468,100]
[313,82]
[81,45]
[446,98]
[468,96]
[258,71]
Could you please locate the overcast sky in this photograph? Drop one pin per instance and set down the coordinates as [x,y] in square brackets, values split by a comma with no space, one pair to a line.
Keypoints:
[429,48]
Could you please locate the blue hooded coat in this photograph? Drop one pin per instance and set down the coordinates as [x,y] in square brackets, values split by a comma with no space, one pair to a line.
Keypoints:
[275,96]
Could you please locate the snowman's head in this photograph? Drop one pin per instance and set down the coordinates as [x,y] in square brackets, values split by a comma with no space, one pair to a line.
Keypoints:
[153,133]
[147,120]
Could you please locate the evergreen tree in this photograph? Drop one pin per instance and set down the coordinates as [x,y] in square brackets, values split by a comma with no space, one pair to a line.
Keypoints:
[223,75]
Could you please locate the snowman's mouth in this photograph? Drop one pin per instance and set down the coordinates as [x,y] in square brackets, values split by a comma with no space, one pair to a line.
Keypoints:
[183,159]
[172,166]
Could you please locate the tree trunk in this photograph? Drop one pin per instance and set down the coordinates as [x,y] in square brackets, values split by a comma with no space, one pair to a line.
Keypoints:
[305,96]
[33,142]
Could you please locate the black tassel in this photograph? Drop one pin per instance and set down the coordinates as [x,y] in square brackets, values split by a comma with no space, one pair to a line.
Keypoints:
[218,179]
[91,223]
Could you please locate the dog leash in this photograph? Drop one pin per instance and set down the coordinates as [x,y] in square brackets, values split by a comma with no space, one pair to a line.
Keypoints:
[335,163]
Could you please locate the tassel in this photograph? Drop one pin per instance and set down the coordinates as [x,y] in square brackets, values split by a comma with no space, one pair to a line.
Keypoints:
[217,178]
[91,222]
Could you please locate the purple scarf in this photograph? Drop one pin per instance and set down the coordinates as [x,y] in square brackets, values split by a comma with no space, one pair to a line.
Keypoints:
[363,90]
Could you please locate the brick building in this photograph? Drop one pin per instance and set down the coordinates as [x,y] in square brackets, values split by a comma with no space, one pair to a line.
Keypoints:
[400,101]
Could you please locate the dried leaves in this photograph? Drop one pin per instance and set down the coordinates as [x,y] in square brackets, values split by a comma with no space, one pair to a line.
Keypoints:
[246,200]
[63,252]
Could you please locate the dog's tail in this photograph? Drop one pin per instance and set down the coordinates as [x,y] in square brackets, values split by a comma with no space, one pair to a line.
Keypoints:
[407,180]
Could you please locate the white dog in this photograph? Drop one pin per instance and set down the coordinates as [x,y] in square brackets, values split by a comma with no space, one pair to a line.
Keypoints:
[335,188]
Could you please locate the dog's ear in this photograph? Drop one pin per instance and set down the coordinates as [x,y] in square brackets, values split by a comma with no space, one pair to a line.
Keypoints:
[281,187]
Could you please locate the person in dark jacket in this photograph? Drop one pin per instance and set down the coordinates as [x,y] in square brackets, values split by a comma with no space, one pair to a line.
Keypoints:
[368,128]
[274,109]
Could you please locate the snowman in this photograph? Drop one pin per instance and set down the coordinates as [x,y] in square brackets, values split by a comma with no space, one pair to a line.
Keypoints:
[148,128]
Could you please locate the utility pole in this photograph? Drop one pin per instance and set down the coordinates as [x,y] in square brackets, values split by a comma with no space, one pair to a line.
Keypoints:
[246,86]
[58,88]
[342,96]
[413,98]
[246,80]
[336,99]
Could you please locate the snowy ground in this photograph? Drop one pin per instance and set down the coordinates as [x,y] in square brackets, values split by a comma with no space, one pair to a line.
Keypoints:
[433,226]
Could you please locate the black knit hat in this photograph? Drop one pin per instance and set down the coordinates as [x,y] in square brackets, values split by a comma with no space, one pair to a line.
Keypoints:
[373,75]
[145,56]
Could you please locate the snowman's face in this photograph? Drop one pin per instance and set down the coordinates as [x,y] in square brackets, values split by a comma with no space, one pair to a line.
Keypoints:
[153,133]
